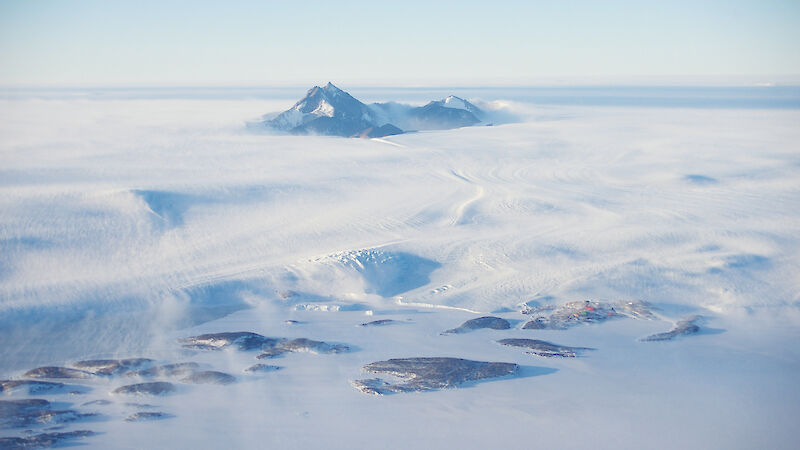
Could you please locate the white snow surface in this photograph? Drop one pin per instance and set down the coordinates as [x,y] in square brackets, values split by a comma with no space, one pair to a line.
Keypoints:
[454,102]
[323,109]
[126,224]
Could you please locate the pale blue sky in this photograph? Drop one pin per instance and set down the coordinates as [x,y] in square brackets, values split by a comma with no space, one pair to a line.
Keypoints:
[163,42]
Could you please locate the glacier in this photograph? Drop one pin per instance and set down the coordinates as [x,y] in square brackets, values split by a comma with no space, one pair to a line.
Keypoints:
[131,223]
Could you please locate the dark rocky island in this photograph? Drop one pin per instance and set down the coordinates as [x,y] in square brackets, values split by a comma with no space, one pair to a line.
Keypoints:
[683,327]
[209,377]
[544,348]
[242,340]
[153,388]
[147,415]
[378,323]
[43,439]
[583,312]
[167,370]
[491,322]
[35,387]
[262,368]
[111,366]
[57,372]
[35,412]
[269,347]
[422,374]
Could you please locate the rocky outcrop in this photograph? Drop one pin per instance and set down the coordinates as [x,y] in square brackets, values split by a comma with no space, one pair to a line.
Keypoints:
[57,372]
[35,412]
[262,368]
[167,370]
[494,323]
[377,323]
[209,377]
[43,439]
[312,346]
[544,348]
[147,415]
[111,366]
[584,312]
[422,374]
[32,387]
[242,340]
[153,388]
[685,326]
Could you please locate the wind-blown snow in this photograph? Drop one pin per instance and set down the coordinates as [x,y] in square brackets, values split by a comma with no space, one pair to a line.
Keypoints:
[126,224]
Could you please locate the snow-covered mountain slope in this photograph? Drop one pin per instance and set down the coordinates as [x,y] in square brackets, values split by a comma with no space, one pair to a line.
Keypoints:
[326,110]
[331,111]
[451,112]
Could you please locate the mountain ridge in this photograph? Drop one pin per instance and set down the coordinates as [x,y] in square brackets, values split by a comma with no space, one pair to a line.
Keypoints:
[331,111]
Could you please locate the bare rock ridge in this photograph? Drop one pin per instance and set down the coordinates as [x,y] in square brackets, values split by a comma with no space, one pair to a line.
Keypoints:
[43,439]
[584,312]
[147,415]
[57,372]
[423,374]
[684,326]
[35,412]
[167,370]
[331,111]
[269,347]
[31,387]
[243,340]
[544,348]
[491,322]
[111,366]
[378,323]
[209,377]
[152,388]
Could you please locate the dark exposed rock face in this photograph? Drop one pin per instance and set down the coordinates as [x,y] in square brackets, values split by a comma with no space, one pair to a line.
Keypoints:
[149,415]
[494,323]
[209,377]
[57,372]
[167,370]
[242,340]
[42,440]
[154,388]
[544,348]
[376,323]
[422,374]
[262,368]
[33,412]
[111,366]
[574,313]
[684,326]
[32,387]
